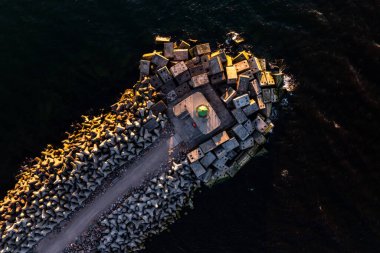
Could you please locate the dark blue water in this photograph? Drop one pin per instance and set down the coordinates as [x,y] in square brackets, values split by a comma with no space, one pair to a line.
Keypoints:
[61,59]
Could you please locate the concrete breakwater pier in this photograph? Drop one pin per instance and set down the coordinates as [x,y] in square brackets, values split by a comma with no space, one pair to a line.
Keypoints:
[196,116]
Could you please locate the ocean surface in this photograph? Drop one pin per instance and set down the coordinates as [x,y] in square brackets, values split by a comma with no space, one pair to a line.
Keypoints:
[318,188]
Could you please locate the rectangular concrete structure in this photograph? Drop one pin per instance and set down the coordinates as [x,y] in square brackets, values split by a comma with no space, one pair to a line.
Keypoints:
[190,104]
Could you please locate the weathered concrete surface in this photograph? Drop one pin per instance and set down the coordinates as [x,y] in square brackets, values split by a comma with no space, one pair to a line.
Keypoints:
[133,177]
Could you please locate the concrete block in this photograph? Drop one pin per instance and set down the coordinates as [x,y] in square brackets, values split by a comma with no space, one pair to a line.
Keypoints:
[169,49]
[228,95]
[254,65]
[243,55]
[197,70]
[183,45]
[255,87]
[218,78]
[202,49]
[240,132]
[171,96]
[178,68]
[242,84]
[251,108]
[144,67]
[221,54]
[230,144]
[215,66]
[167,87]
[164,74]
[260,102]
[151,124]
[161,39]
[155,81]
[220,164]
[241,101]
[239,115]
[248,143]
[207,146]
[266,95]
[231,75]
[181,54]
[159,60]
[208,159]
[259,138]
[182,89]
[198,169]
[249,127]
[220,138]
[259,124]
[241,66]
[199,80]
[219,152]
[195,155]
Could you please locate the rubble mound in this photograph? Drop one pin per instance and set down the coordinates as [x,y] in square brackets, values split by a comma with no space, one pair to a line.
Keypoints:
[58,182]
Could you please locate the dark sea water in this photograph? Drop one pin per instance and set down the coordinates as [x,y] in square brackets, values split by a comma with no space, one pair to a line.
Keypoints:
[62,59]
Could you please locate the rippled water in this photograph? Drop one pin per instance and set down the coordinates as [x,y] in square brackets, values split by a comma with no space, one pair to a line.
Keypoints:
[60,59]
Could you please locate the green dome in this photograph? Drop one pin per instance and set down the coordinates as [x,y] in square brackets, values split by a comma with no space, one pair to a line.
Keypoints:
[202,111]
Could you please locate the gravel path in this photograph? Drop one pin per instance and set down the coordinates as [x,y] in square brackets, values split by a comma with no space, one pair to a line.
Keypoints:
[133,177]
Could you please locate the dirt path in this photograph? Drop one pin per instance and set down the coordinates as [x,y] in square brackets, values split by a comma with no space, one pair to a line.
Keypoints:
[133,177]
